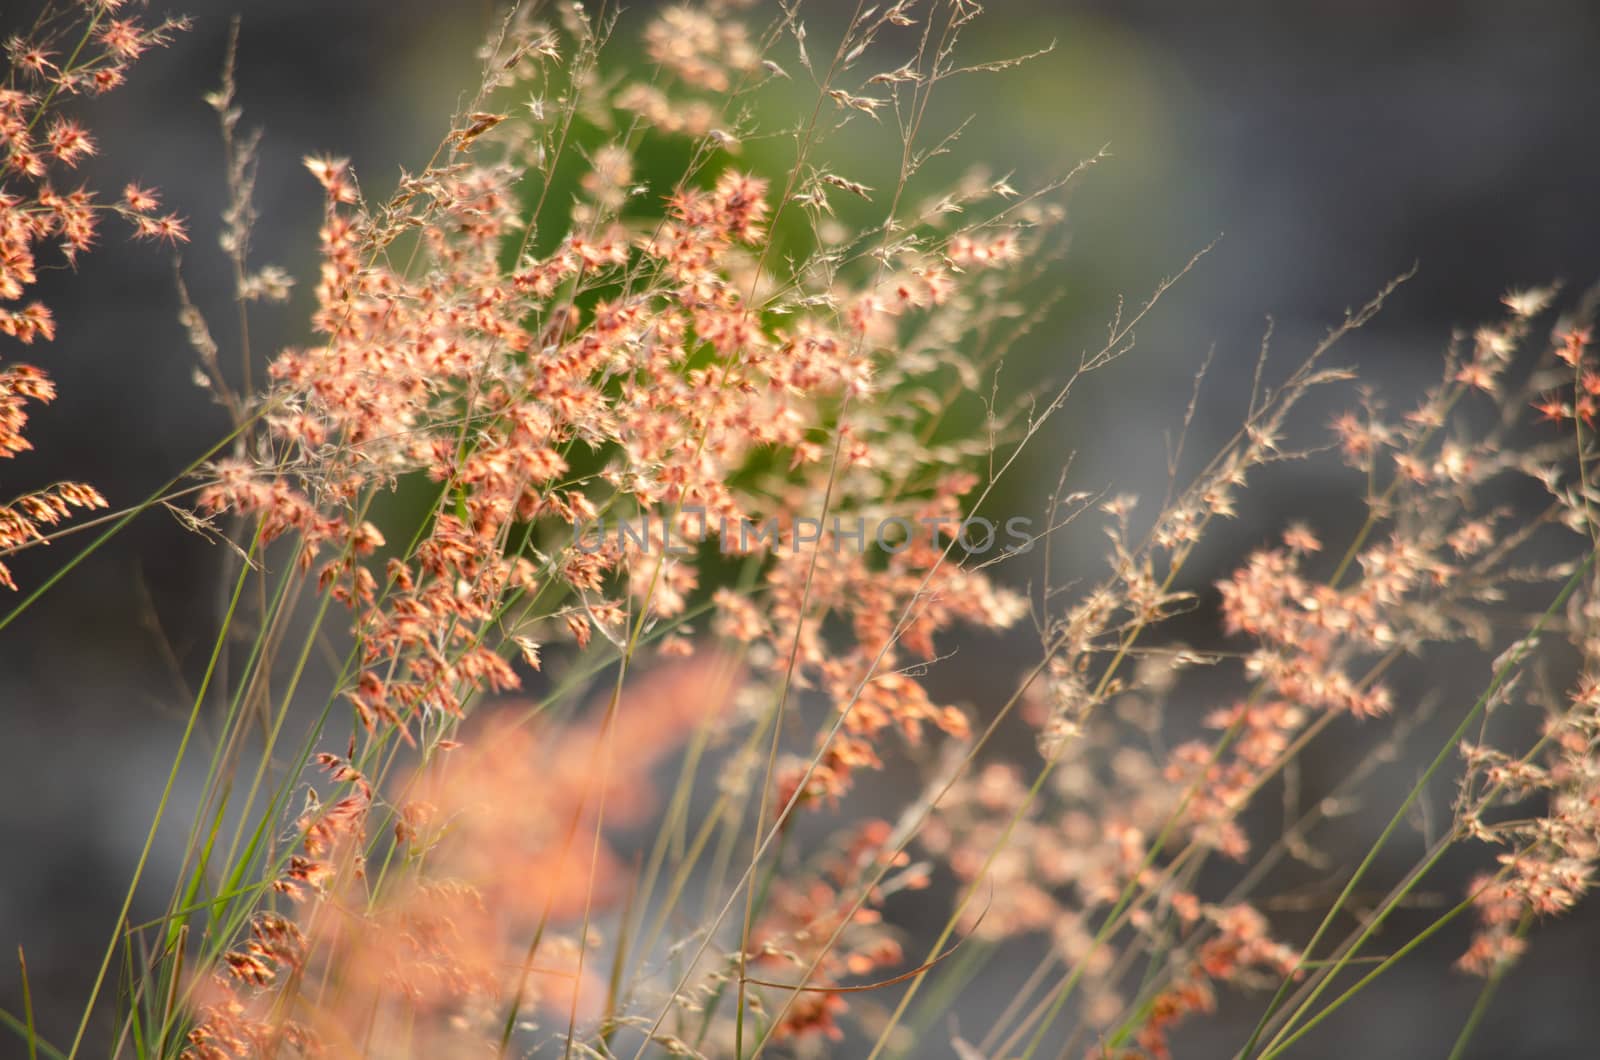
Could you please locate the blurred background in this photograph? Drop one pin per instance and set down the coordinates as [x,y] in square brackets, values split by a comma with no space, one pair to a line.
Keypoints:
[1324,147]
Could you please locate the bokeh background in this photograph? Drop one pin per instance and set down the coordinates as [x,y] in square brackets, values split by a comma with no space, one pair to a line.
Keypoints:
[1324,147]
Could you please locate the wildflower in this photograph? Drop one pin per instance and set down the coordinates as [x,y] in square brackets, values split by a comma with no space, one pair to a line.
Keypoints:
[1552,409]
[31,322]
[68,141]
[168,228]
[333,175]
[1299,538]
[1530,302]
[1572,346]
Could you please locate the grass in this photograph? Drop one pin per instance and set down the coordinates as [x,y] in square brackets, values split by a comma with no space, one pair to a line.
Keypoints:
[438,731]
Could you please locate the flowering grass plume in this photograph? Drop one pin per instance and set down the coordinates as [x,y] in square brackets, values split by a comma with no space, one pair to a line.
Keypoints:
[602,799]
[68,57]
